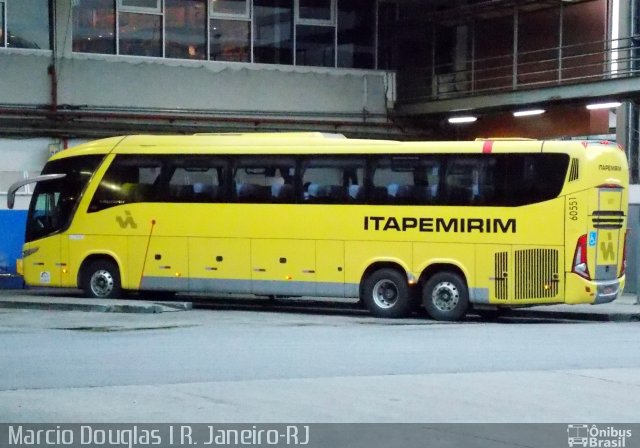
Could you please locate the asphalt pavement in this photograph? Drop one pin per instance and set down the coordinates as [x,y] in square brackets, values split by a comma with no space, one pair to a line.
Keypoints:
[624,309]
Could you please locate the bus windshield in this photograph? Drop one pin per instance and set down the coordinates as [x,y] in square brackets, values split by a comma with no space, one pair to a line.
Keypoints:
[54,201]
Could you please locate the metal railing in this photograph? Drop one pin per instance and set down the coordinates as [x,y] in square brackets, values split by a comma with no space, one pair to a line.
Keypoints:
[547,67]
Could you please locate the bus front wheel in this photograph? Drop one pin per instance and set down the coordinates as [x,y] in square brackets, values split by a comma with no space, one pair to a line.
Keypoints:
[101,280]
[445,296]
[386,293]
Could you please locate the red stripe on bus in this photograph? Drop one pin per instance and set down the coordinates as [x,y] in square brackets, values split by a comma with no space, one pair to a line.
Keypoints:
[487,147]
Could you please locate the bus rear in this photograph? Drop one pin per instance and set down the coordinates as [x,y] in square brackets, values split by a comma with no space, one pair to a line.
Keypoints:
[596,211]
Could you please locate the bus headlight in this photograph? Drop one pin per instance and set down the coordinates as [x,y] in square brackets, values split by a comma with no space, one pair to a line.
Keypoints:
[31,251]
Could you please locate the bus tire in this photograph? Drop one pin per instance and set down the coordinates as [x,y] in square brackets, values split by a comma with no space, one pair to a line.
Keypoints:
[445,296]
[101,280]
[385,293]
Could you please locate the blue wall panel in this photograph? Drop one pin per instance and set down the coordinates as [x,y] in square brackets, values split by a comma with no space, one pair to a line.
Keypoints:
[12,225]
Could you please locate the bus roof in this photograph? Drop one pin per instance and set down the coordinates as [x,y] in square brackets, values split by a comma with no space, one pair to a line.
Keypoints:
[304,143]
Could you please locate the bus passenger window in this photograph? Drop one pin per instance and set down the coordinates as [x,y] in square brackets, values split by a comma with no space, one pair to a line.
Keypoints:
[405,180]
[333,180]
[264,180]
[535,177]
[195,182]
[129,179]
[471,180]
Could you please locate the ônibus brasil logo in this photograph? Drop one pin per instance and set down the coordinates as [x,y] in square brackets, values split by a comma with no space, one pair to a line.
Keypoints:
[593,436]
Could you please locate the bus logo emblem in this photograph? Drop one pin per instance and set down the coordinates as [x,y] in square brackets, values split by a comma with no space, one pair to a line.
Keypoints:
[606,247]
[126,221]
[577,435]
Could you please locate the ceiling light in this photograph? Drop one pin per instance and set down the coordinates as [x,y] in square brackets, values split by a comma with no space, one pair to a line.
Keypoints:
[528,113]
[609,105]
[462,119]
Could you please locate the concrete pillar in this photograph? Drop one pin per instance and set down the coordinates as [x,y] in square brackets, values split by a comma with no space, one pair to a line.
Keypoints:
[627,133]
[63,17]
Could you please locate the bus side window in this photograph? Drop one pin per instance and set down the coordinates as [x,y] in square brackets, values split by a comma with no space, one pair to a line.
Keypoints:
[266,179]
[333,180]
[542,177]
[196,180]
[477,180]
[405,180]
[129,179]
[460,180]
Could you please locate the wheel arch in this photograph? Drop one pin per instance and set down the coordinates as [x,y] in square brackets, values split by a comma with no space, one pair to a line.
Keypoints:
[443,266]
[382,264]
[96,256]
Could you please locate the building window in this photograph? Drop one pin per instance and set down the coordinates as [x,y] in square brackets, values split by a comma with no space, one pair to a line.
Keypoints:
[273,31]
[324,33]
[140,34]
[387,33]
[140,27]
[356,34]
[141,5]
[94,27]
[316,12]
[230,40]
[315,45]
[185,29]
[315,33]
[24,24]
[2,31]
[230,31]
[233,8]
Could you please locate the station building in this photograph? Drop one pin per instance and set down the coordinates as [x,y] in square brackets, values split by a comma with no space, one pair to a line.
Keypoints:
[75,70]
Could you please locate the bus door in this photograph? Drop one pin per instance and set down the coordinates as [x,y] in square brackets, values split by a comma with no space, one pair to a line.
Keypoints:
[605,237]
[44,264]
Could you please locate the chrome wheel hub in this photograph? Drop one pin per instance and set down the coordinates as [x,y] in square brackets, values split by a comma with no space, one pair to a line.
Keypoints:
[102,283]
[385,294]
[445,296]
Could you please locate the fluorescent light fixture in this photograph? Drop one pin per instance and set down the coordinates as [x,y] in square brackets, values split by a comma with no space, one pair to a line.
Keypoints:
[528,113]
[615,35]
[462,119]
[609,105]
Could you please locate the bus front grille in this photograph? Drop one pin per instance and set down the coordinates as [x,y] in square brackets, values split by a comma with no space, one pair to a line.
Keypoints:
[500,275]
[536,273]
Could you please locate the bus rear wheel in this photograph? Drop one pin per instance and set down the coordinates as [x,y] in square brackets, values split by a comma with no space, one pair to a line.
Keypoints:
[101,280]
[386,293]
[445,296]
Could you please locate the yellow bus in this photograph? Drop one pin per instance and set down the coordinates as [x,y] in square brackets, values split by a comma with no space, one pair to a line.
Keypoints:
[450,226]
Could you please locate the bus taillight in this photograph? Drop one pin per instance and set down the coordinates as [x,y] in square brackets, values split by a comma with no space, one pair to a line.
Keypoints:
[580,258]
[611,186]
[623,268]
